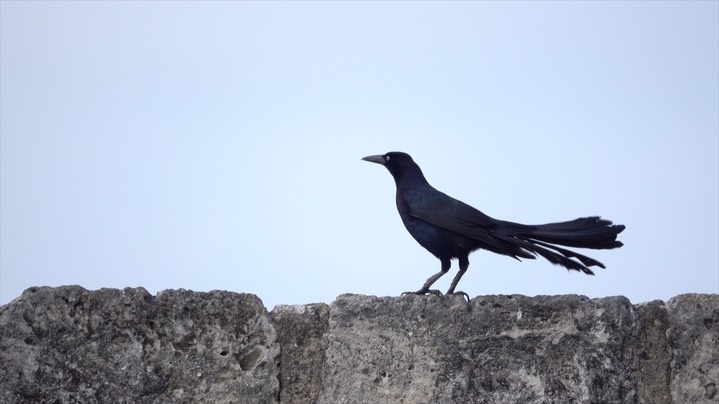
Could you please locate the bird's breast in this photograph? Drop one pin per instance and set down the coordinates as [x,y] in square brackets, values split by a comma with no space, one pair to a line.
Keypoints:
[440,242]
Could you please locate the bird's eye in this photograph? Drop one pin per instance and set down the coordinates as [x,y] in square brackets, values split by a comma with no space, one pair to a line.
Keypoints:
[386,158]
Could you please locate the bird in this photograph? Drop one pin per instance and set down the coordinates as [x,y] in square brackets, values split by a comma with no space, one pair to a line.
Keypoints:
[451,229]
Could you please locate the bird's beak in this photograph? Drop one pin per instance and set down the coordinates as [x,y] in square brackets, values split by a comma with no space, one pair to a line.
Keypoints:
[379,159]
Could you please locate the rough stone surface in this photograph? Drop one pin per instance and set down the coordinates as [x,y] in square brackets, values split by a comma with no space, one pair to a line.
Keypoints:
[417,349]
[694,341]
[652,353]
[69,345]
[301,331]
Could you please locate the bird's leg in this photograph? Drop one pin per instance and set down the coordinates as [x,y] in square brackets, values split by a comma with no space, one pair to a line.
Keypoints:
[446,264]
[463,265]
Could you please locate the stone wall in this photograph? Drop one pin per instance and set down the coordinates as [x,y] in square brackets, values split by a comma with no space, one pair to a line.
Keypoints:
[69,345]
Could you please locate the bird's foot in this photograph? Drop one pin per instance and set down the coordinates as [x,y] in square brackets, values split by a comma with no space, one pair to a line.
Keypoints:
[466,296]
[423,292]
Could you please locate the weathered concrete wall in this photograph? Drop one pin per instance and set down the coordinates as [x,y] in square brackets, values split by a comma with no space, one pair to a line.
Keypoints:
[69,345]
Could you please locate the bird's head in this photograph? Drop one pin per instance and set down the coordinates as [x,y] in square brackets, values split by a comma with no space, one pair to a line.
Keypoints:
[399,164]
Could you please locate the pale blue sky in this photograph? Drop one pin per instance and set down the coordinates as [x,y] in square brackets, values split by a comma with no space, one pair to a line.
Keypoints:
[217,145]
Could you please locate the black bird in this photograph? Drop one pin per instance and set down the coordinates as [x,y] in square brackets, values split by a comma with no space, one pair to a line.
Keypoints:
[449,228]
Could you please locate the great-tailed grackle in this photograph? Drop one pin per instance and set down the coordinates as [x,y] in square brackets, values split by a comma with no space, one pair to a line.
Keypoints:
[449,228]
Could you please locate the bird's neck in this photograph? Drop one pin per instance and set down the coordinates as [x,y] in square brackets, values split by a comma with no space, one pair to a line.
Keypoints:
[410,177]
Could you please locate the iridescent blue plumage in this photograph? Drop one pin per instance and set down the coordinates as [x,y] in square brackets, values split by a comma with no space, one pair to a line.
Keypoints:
[449,228]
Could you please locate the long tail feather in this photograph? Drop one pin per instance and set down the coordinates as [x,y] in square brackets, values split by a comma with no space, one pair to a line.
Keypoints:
[588,232]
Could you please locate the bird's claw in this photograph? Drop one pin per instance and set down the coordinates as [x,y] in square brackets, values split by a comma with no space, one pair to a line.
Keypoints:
[466,296]
[423,292]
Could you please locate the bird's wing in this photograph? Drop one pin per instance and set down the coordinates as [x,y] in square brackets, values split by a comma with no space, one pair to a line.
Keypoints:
[456,216]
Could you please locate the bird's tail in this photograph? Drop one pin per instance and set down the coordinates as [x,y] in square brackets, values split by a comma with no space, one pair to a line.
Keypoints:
[587,232]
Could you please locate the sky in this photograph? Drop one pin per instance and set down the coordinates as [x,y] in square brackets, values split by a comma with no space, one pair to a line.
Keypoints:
[217,145]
